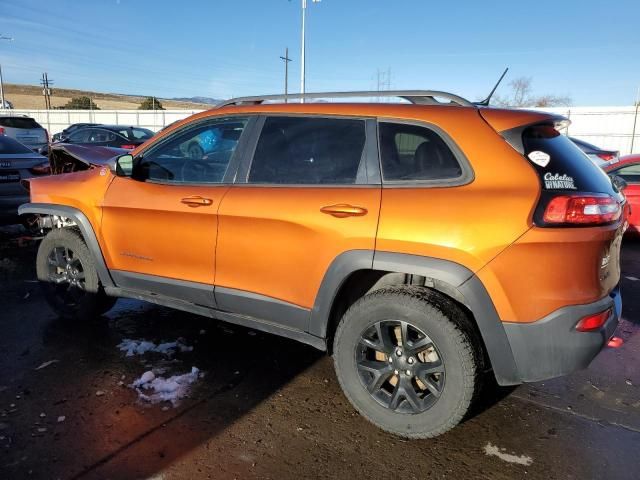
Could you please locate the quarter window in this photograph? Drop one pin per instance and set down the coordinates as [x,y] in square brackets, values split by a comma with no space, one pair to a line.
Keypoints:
[308,151]
[414,153]
[199,155]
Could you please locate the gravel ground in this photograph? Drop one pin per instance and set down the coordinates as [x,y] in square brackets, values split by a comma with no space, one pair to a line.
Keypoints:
[266,407]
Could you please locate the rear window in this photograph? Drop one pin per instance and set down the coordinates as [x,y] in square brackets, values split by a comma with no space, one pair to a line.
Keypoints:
[19,122]
[8,146]
[560,164]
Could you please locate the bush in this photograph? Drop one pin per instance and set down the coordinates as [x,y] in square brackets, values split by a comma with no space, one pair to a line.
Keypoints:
[81,103]
[151,103]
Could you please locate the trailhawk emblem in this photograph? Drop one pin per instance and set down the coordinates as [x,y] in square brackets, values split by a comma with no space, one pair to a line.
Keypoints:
[558,182]
[5,164]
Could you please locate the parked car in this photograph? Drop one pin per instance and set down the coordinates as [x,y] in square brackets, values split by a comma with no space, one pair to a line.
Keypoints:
[628,168]
[25,130]
[422,245]
[60,136]
[597,155]
[7,105]
[17,162]
[119,136]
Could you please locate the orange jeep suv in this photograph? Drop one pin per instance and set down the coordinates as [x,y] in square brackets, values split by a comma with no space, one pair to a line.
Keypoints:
[422,243]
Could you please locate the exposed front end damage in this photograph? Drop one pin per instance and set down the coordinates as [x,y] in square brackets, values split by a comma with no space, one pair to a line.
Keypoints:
[67,158]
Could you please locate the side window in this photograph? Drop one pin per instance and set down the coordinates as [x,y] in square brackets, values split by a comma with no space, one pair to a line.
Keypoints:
[630,173]
[411,152]
[308,151]
[99,135]
[80,136]
[201,154]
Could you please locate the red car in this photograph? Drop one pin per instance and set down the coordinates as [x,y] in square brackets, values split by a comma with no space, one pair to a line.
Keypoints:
[629,169]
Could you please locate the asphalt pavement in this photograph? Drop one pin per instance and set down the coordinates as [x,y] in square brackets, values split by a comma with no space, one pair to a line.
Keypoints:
[261,406]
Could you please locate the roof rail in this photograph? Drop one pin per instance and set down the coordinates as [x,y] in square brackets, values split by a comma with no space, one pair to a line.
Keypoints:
[418,97]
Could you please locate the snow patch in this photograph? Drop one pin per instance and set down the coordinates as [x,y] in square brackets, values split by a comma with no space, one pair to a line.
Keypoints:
[154,389]
[140,347]
[492,450]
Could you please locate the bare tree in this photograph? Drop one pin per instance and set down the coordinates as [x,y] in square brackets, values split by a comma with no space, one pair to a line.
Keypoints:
[522,96]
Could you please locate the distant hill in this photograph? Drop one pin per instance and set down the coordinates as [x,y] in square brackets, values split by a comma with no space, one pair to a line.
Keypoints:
[30,97]
[207,100]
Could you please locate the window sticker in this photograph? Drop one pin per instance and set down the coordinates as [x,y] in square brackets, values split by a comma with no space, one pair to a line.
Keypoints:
[558,182]
[539,158]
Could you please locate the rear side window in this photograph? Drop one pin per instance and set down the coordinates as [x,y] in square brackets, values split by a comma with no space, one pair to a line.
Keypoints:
[8,146]
[560,164]
[415,153]
[308,151]
[19,122]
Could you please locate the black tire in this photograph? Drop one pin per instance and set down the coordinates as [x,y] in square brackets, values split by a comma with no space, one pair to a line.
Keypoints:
[426,320]
[73,296]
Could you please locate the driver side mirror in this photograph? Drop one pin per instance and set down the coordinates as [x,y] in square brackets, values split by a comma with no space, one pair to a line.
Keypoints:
[124,165]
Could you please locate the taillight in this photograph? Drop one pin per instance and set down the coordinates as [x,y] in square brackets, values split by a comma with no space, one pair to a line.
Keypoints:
[1,130]
[593,322]
[41,169]
[128,147]
[582,209]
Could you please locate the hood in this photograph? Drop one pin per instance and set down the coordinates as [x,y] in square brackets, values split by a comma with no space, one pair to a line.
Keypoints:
[67,157]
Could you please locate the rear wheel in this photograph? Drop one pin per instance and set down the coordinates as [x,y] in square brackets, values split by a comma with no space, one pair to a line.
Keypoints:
[68,276]
[406,362]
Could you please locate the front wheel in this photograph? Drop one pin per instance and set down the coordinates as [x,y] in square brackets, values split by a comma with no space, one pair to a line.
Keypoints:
[67,273]
[406,362]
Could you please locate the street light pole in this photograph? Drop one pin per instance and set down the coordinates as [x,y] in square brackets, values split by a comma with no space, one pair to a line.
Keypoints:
[2,105]
[303,49]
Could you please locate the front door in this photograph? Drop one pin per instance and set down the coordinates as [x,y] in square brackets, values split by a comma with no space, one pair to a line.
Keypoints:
[159,226]
[309,195]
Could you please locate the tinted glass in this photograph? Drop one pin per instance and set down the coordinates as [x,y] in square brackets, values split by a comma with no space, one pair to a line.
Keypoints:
[308,151]
[140,133]
[199,155]
[410,153]
[10,146]
[100,135]
[80,136]
[560,164]
[18,122]
[631,173]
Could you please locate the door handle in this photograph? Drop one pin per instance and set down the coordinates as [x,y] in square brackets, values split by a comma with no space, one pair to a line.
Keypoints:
[197,201]
[343,210]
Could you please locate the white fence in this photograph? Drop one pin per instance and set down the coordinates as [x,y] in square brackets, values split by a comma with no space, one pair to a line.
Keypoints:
[611,128]
[615,128]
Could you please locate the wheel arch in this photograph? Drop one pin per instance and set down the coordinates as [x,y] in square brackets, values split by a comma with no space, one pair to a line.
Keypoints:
[84,226]
[357,272]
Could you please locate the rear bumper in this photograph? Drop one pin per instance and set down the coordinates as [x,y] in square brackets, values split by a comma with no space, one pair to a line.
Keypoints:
[552,347]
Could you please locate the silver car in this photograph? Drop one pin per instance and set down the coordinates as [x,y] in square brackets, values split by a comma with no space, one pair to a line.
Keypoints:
[17,162]
[24,129]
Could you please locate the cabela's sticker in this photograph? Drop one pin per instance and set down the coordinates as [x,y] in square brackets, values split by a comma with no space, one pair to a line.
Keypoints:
[558,182]
[539,158]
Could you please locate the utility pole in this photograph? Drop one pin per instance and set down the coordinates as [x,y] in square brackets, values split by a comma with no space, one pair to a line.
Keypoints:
[286,61]
[303,49]
[2,105]
[635,121]
[46,91]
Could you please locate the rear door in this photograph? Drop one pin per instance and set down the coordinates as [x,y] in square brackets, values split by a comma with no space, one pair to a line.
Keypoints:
[631,174]
[310,192]
[160,226]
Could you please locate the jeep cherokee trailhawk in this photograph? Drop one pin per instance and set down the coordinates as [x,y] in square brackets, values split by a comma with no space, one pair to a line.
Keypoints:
[422,243]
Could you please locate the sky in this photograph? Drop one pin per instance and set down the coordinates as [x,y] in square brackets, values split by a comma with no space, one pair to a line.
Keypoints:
[587,50]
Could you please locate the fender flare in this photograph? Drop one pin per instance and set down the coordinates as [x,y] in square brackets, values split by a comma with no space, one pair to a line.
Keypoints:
[86,229]
[448,277]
